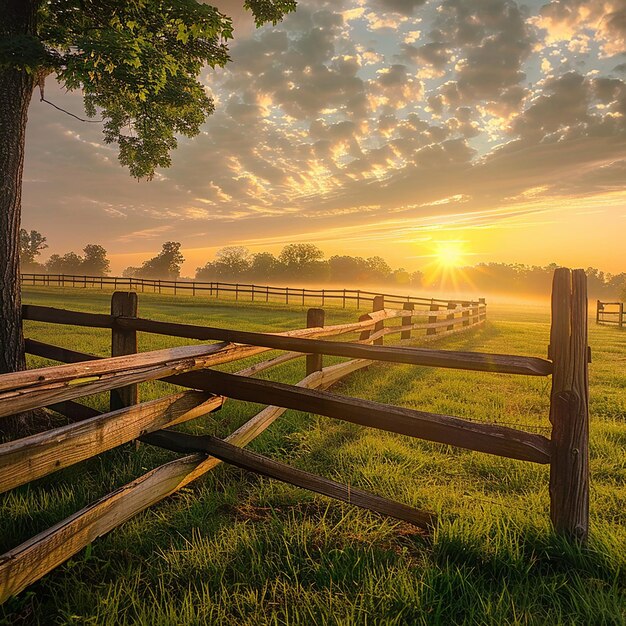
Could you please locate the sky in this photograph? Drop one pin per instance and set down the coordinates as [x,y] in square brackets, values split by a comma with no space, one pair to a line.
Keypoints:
[371,127]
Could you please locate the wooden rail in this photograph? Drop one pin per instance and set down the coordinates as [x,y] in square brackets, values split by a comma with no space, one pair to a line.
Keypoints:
[234,291]
[92,432]
[610,313]
[32,559]
[482,437]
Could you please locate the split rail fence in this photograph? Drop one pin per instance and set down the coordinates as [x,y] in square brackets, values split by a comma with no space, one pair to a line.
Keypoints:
[236,291]
[91,432]
[610,313]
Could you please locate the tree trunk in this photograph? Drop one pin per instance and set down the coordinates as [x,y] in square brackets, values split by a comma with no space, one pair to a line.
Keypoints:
[16,88]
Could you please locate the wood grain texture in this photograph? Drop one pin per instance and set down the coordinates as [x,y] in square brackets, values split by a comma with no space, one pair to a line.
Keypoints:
[481,437]
[569,407]
[406,332]
[37,556]
[123,303]
[251,461]
[38,388]
[29,458]
[32,559]
[53,315]
[75,411]
[57,353]
[32,389]
[314,319]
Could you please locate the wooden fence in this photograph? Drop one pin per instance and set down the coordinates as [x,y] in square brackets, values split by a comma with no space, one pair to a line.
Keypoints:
[610,313]
[92,432]
[235,291]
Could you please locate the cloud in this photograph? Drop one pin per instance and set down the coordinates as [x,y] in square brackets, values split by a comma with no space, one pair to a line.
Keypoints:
[325,122]
[403,7]
[565,20]
[436,54]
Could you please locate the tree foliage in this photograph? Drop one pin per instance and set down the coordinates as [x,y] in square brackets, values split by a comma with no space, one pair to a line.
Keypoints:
[31,245]
[300,255]
[298,263]
[70,264]
[93,263]
[136,62]
[165,265]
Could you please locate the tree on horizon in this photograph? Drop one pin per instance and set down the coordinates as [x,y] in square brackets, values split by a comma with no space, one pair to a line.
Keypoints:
[165,265]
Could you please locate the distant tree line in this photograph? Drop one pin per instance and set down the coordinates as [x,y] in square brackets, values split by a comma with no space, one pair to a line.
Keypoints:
[302,262]
[515,278]
[93,262]
[305,263]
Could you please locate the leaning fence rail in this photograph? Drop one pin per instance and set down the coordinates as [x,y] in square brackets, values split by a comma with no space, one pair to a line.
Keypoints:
[92,432]
[237,291]
[610,313]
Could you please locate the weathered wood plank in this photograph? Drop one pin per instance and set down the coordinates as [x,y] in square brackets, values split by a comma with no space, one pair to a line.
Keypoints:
[314,319]
[56,353]
[406,333]
[481,437]
[206,333]
[37,556]
[32,559]
[432,330]
[446,333]
[378,304]
[569,407]
[161,363]
[251,461]
[476,361]
[74,410]
[53,315]
[29,458]
[36,388]
[124,303]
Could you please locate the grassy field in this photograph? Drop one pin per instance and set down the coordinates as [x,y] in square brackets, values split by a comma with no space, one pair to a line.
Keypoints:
[233,548]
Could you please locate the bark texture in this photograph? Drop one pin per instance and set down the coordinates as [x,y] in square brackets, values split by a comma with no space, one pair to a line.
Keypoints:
[16,88]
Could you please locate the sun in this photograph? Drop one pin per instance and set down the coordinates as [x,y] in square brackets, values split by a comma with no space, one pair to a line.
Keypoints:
[446,267]
[450,254]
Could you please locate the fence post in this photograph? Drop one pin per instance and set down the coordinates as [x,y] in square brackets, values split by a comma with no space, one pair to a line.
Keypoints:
[451,307]
[569,406]
[621,314]
[378,304]
[123,303]
[286,295]
[267,293]
[482,309]
[344,299]
[466,320]
[314,319]
[432,319]
[598,309]
[237,291]
[407,306]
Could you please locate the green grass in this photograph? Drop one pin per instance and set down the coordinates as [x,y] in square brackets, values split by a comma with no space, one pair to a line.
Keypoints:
[233,548]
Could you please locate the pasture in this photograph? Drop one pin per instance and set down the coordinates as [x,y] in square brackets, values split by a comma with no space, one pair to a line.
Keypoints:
[233,548]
